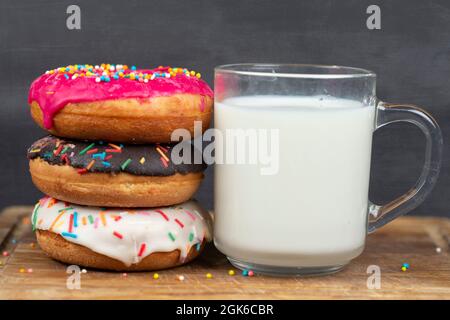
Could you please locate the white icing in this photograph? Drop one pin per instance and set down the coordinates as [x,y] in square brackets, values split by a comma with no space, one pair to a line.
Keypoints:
[100,229]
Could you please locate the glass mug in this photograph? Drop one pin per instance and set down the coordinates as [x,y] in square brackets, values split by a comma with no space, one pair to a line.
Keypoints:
[306,211]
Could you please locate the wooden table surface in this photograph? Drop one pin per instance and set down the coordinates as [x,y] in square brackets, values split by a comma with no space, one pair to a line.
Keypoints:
[409,240]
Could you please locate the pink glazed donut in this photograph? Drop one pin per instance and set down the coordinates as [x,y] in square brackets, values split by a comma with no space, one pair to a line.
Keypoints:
[118,103]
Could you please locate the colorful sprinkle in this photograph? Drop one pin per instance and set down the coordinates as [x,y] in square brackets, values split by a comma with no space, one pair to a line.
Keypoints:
[71,223]
[69,235]
[179,223]
[115,146]
[82,171]
[155,276]
[180,278]
[141,250]
[106,164]
[5,253]
[162,214]
[164,162]
[142,161]
[190,214]
[162,154]
[90,165]
[191,236]
[171,236]
[231,272]
[87,149]
[103,218]
[56,220]
[118,235]
[113,150]
[58,150]
[75,219]
[209,276]
[92,151]
[125,164]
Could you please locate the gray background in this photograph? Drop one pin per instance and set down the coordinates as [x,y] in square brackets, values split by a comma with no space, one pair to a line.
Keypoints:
[411,55]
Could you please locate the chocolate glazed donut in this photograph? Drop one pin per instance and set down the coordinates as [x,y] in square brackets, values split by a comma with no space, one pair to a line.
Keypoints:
[112,175]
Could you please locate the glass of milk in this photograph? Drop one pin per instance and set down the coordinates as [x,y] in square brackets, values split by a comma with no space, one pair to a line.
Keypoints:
[293,149]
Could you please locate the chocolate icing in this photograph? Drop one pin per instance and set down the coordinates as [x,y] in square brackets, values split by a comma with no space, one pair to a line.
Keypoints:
[107,159]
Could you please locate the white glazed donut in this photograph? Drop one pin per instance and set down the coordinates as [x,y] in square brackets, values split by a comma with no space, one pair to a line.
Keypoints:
[121,239]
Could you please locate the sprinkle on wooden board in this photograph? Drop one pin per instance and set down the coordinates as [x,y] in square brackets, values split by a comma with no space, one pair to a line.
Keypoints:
[142,161]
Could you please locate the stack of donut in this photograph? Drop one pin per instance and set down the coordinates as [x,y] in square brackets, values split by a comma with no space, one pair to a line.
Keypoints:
[115,199]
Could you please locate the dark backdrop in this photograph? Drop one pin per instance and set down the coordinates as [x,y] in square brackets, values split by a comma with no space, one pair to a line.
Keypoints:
[410,54]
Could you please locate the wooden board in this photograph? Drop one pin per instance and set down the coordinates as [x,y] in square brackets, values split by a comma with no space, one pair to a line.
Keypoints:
[407,240]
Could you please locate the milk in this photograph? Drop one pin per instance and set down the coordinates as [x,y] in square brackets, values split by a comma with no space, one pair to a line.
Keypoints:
[313,212]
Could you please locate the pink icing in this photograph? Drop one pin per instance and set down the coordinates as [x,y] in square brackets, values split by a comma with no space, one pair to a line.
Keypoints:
[54,91]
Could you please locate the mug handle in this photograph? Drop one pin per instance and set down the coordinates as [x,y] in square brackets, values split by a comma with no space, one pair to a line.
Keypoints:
[387,113]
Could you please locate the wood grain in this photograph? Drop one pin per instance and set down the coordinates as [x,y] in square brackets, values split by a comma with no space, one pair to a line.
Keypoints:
[409,239]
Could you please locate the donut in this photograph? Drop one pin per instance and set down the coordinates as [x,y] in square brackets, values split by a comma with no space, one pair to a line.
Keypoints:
[117,103]
[110,175]
[120,239]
